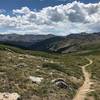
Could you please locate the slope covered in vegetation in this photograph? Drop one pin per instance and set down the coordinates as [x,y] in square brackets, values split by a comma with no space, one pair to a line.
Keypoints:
[17,65]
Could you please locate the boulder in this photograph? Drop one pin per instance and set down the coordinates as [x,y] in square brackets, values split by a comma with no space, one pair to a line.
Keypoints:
[9,96]
[60,83]
[36,80]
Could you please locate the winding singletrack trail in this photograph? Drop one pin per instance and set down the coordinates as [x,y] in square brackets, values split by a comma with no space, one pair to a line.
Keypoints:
[85,88]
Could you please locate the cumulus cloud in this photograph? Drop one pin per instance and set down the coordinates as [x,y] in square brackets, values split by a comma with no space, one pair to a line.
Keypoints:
[73,17]
[23,10]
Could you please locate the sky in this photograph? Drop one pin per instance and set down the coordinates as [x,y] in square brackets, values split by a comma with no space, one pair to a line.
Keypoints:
[35,4]
[58,17]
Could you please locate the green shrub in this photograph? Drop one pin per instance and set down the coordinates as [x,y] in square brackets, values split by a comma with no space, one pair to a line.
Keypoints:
[54,66]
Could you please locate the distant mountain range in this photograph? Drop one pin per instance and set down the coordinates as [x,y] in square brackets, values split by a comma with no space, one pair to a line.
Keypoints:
[52,43]
[22,41]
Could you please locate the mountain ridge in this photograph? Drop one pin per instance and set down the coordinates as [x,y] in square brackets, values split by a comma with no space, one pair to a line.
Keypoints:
[52,43]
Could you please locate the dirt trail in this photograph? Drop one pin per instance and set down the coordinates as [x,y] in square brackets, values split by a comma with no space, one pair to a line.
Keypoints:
[85,88]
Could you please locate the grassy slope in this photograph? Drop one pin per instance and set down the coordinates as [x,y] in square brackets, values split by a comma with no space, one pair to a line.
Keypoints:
[93,52]
[70,68]
[16,79]
[89,49]
[94,69]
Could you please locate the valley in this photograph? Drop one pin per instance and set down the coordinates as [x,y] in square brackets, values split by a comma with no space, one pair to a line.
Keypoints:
[41,75]
[49,49]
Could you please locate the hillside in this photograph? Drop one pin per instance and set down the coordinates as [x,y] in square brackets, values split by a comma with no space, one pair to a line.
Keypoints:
[20,69]
[70,43]
[22,41]
[50,43]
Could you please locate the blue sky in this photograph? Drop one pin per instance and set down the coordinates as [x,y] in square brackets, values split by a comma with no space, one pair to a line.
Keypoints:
[59,17]
[35,4]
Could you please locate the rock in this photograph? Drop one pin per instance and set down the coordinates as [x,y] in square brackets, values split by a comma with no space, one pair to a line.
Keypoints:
[9,96]
[20,58]
[60,83]
[37,70]
[36,80]
[21,65]
[38,66]
[51,73]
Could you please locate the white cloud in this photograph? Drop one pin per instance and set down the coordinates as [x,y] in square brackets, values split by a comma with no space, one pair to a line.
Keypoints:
[23,10]
[60,20]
